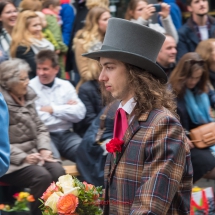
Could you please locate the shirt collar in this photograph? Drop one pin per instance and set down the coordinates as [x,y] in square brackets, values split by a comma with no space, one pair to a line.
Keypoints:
[56,83]
[128,106]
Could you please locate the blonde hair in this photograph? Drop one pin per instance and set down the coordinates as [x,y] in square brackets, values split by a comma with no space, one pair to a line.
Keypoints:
[90,33]
[34,5]
[20,34]
[97,3]
[204,49]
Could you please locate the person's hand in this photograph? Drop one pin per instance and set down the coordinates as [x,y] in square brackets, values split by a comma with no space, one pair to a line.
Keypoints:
[72,102]
[148,12]
[190,143]
[165,10]
[57,51]
[33,158]
[47,109]
[47,155]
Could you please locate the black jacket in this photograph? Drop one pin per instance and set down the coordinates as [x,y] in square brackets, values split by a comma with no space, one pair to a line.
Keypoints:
[78,24]
[188,39]
[29,57]
[90,95]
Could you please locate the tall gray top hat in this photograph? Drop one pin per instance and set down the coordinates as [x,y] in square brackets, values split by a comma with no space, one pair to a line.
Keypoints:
[132,43]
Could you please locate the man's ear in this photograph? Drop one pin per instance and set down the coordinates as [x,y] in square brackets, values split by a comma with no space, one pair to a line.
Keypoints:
[131,13]
[189,8]
[57,69]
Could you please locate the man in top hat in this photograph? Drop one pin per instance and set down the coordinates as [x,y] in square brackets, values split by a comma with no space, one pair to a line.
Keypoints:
[148,169]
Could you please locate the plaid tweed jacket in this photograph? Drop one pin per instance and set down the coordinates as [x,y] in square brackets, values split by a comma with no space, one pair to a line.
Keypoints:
[153,174]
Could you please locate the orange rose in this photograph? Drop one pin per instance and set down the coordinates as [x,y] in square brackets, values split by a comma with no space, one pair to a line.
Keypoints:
[30,198]
[51,189]
[67,204]
[88,186]
[2,206]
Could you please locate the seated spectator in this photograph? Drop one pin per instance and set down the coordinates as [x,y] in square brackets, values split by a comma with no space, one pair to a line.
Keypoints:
[167,55]
[27,39]
[8,17]
[189,81]
[90,95]
[51,8]
[206,49]
[175,13]
[91,154]
[90,39]
[200,26]
[58,105]
[31,162]
[46,32]
[4,140]
[139,11]
[67,14]
[3,55]
[34,5]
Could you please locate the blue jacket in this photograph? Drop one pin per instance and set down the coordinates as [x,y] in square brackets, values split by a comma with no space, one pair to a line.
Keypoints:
[175,13]
[188,39]
[68,16]
[4,137]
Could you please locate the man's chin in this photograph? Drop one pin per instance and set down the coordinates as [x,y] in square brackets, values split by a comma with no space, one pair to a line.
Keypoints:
[201,14]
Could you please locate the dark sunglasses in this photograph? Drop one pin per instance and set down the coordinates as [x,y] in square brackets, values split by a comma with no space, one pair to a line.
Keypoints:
[199,62]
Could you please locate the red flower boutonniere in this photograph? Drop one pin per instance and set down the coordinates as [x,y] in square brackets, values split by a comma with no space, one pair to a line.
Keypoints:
[115,147]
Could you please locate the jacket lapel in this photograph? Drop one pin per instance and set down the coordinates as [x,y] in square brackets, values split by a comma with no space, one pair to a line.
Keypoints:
[132,129]
[191,34]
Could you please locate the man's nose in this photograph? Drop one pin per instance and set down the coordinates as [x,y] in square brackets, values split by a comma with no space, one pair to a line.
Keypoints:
[102,76]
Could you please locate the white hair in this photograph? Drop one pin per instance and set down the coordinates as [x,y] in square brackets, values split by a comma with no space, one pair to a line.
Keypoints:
[10,70]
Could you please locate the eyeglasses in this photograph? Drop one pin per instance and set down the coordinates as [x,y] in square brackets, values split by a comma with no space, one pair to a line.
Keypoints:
[192,62]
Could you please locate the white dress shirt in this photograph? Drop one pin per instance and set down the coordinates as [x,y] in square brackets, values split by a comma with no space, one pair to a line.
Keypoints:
[57,96]
[128,107]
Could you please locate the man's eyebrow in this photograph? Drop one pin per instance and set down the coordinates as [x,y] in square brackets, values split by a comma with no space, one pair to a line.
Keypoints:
[105,64]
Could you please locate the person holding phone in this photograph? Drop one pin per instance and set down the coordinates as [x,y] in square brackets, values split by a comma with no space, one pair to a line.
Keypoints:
[139,11]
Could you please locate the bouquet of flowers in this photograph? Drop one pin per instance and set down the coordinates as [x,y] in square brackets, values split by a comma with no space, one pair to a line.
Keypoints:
[70,196]
[21,203]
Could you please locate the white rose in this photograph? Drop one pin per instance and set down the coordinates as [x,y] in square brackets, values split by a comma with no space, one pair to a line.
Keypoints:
[69,190]
[65,181]
[52,201]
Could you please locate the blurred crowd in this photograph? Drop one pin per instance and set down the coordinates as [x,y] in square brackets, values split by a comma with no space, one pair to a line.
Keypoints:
[56,109]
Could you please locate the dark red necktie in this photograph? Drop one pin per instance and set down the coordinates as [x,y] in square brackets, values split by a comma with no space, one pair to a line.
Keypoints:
[120,124]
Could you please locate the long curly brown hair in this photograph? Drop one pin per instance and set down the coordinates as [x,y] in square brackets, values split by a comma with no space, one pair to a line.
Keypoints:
[149,92]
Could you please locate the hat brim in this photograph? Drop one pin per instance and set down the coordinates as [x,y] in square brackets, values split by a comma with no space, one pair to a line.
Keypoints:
[132,59]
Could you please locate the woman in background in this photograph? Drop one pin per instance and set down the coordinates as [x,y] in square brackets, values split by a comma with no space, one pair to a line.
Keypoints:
[139,11]
[90,39]
[189,80]
[8,17]
[31,161]
[27,39]
[206,49]
[51,8]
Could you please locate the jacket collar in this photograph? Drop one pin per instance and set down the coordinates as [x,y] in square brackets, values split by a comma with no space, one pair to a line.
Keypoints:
[192,34]
[30,97]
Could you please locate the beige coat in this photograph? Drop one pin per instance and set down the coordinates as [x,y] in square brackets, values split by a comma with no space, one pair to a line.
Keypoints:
[26,131]
[88,68]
